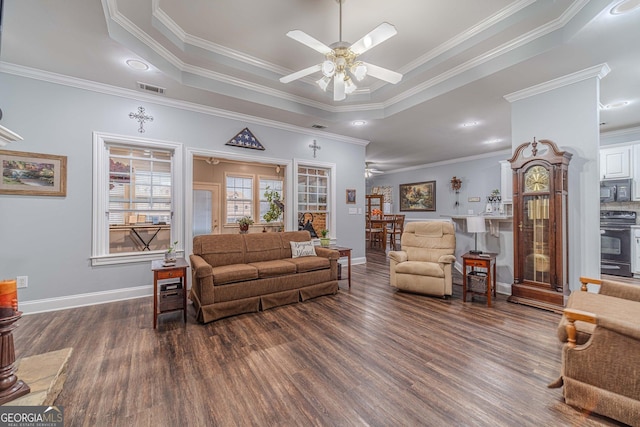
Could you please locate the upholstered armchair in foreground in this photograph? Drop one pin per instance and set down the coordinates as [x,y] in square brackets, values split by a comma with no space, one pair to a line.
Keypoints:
[424,263]
[601,354]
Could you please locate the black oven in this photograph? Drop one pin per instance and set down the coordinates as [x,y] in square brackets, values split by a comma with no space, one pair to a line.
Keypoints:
[615,242]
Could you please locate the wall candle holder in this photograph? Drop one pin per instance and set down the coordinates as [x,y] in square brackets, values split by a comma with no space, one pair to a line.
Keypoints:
[10,386]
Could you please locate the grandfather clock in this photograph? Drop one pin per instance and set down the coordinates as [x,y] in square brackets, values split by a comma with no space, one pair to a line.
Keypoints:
[540,193]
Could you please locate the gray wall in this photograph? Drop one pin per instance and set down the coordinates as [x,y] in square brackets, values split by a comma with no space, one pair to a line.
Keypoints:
[569,116]
[480,175]
[49,239]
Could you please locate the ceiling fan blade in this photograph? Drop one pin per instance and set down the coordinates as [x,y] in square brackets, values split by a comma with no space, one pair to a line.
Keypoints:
[383,74]
[306,39]
[302,73]
[338,87]
[376,36]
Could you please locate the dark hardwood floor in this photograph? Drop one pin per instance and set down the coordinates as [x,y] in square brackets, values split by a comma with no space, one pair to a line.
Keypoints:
[367,356]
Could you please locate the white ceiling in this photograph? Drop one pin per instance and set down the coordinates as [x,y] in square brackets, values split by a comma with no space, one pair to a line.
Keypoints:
[459,59]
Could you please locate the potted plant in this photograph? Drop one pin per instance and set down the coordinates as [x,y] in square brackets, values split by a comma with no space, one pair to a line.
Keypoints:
[275,206]
[324,240]
[244,223]
[170,255]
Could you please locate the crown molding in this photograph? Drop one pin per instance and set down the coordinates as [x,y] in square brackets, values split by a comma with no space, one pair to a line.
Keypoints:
[620,132]
[179,34]
[599,71]
[74,82]
[507,153]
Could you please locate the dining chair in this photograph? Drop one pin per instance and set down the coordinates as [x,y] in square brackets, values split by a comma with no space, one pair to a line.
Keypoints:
[373,233]
[396,231]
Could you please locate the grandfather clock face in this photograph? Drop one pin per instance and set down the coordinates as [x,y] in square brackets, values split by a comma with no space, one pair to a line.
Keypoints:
[536,179]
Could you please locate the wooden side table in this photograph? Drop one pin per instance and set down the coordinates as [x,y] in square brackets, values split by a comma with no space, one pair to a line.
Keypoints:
[485,261]
[173,295]
[344,252]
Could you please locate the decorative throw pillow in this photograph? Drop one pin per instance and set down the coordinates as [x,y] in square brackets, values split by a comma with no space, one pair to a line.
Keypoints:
[299,249]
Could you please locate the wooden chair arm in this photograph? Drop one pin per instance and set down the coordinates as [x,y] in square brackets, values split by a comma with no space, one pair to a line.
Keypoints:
[586,280]
[572,315]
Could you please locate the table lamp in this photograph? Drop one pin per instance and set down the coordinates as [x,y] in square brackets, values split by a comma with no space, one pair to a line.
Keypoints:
[476,224]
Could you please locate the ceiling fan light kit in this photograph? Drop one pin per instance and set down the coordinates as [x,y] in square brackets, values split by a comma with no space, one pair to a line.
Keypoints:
[341,60]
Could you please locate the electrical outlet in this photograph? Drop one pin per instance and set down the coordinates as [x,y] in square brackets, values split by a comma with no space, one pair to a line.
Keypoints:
[23,281]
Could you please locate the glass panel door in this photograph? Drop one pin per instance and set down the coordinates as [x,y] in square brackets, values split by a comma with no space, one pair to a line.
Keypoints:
[535,238]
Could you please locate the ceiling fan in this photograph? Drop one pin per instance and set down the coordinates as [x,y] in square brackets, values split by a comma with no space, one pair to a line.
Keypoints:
[369,171]
[341,60]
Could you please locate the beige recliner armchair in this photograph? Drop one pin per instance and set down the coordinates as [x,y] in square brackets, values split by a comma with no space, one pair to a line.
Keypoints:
[424,263]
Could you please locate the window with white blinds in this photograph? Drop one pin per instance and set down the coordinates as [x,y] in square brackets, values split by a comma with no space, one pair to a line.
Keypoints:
[134,203]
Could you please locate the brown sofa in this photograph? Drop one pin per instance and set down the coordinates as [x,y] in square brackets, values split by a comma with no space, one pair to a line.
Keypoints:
[601,355]
[244,273]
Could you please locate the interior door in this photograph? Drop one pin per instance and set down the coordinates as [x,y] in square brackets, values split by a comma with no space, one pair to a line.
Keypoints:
[206,208]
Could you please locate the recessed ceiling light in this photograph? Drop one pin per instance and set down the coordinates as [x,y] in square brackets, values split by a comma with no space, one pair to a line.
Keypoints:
[625,6]
[469,124]
[492,141]
[616,105]
[137,65]
[359,123]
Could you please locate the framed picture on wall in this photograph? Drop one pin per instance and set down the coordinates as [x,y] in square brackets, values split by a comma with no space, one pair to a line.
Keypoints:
[418,196]
[351,196]
[33,174]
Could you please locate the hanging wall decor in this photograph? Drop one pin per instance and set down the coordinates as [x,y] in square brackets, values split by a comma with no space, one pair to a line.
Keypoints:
[245,139]
[141,117]
[315,147]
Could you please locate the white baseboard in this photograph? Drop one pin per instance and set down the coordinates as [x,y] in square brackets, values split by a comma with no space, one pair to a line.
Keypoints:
[82,300]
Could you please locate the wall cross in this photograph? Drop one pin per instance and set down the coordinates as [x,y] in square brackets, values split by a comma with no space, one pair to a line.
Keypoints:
[141,117]
[315,147]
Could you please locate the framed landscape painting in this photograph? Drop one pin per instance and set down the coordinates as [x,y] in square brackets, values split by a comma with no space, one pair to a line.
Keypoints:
[418,196]
[33,174]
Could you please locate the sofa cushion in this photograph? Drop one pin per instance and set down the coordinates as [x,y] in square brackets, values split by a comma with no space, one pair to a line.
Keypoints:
[220,249]
[309,263]
[300,249]
[420,268]
[273,268]
[233,273]
[262,247]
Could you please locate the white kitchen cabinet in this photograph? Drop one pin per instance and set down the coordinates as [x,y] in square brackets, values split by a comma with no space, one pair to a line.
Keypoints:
[635,250]
[635,165]
[615,162]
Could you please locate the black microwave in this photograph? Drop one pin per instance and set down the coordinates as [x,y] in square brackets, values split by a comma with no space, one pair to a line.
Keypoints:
[615,190]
